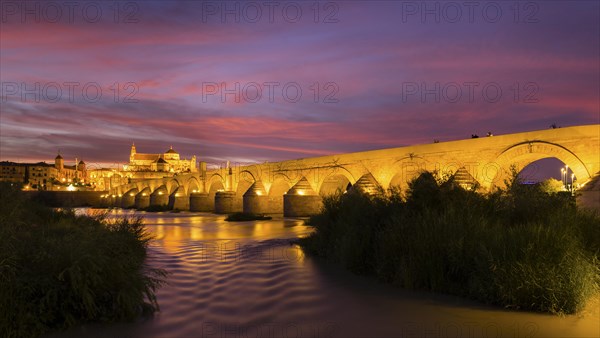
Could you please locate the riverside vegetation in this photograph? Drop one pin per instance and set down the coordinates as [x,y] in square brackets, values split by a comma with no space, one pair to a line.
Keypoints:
[59,269]
[519,247]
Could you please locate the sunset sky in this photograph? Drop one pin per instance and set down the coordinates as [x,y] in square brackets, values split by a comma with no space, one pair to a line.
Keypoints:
[370,61]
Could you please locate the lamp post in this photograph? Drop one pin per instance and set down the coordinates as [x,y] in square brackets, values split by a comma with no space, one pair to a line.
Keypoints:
[572,186]
[562,176]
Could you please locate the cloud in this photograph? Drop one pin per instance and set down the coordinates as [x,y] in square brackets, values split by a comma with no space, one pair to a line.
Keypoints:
[363,62]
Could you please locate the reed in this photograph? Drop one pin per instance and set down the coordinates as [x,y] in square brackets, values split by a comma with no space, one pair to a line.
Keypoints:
[519,247]
[59,269]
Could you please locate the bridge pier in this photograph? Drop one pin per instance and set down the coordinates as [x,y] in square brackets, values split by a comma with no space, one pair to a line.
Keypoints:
[366,184]
[104,201]
[225,202]
[128,200]
[178,200]
[116,201]
[256,200]
[301,200]
[159,198]
[142,199]
[200,201]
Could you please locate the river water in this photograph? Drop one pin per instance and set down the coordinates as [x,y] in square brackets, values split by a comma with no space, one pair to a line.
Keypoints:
[245,279]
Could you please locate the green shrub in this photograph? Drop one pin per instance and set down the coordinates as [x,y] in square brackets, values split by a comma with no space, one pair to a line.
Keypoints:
[519,247]
[58,269]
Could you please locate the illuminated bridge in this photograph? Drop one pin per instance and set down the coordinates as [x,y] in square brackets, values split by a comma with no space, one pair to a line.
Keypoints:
[296,187]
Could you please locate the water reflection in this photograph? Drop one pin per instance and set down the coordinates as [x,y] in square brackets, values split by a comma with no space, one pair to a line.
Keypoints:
[246,280]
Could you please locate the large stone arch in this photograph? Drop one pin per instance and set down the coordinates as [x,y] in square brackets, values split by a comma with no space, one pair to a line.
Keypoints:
[173,184]
[128,198]
[339,181]
[142,198]
[245,180]
[193,185]
[162,188]
[279,187]
[215,183]
[524,153]
[406,169]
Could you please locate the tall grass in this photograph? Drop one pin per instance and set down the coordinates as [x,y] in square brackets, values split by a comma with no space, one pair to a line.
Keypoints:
[58,269]
[519,247]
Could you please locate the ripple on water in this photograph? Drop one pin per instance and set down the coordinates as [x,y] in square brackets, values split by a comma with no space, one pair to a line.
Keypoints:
[246,280]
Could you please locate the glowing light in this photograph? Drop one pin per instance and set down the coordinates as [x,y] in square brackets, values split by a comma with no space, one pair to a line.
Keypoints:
[300,192]
[194,191]
[131,194]
[160,192]
[259,193]
[71,188]
[113,196]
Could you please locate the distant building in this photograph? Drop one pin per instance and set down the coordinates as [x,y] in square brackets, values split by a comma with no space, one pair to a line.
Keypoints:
[168,162]
[44,176]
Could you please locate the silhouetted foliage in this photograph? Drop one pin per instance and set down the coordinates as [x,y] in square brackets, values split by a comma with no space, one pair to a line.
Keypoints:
[518,247]
[59,269]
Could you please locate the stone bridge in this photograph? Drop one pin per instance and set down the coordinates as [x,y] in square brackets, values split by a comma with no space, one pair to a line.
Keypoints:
[296,187]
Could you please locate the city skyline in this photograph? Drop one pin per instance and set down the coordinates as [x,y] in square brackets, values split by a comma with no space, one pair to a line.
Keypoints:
[376,72]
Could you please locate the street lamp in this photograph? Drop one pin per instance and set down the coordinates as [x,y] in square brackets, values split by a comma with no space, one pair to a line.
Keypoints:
[562,176]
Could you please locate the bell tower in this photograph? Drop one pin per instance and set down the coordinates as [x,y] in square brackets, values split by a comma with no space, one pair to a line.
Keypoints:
[132,153]
[59,162]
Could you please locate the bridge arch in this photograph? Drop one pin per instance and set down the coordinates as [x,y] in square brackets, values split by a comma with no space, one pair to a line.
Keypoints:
[407,168]
[215,183]
[339,181]
[524,153]
[173,185]
[279,187]
[193,185]
[245,180]
[162,189]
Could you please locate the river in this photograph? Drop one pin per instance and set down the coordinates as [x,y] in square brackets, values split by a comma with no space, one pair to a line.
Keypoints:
[245,279]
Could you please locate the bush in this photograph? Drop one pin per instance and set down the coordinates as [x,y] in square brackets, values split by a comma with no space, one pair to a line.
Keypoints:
[58,269]
[518,247]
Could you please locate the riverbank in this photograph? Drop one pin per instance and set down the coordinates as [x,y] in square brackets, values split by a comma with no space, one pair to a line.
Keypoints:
[519,248]
[59,269]
[245,280]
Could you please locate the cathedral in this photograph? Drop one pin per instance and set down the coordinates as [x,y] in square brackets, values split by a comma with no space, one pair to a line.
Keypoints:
[167,162]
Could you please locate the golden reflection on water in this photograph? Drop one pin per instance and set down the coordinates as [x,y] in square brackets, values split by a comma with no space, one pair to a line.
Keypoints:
[172,230]
[244,275]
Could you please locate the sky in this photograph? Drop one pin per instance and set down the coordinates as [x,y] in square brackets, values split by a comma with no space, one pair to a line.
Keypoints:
[266,81]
